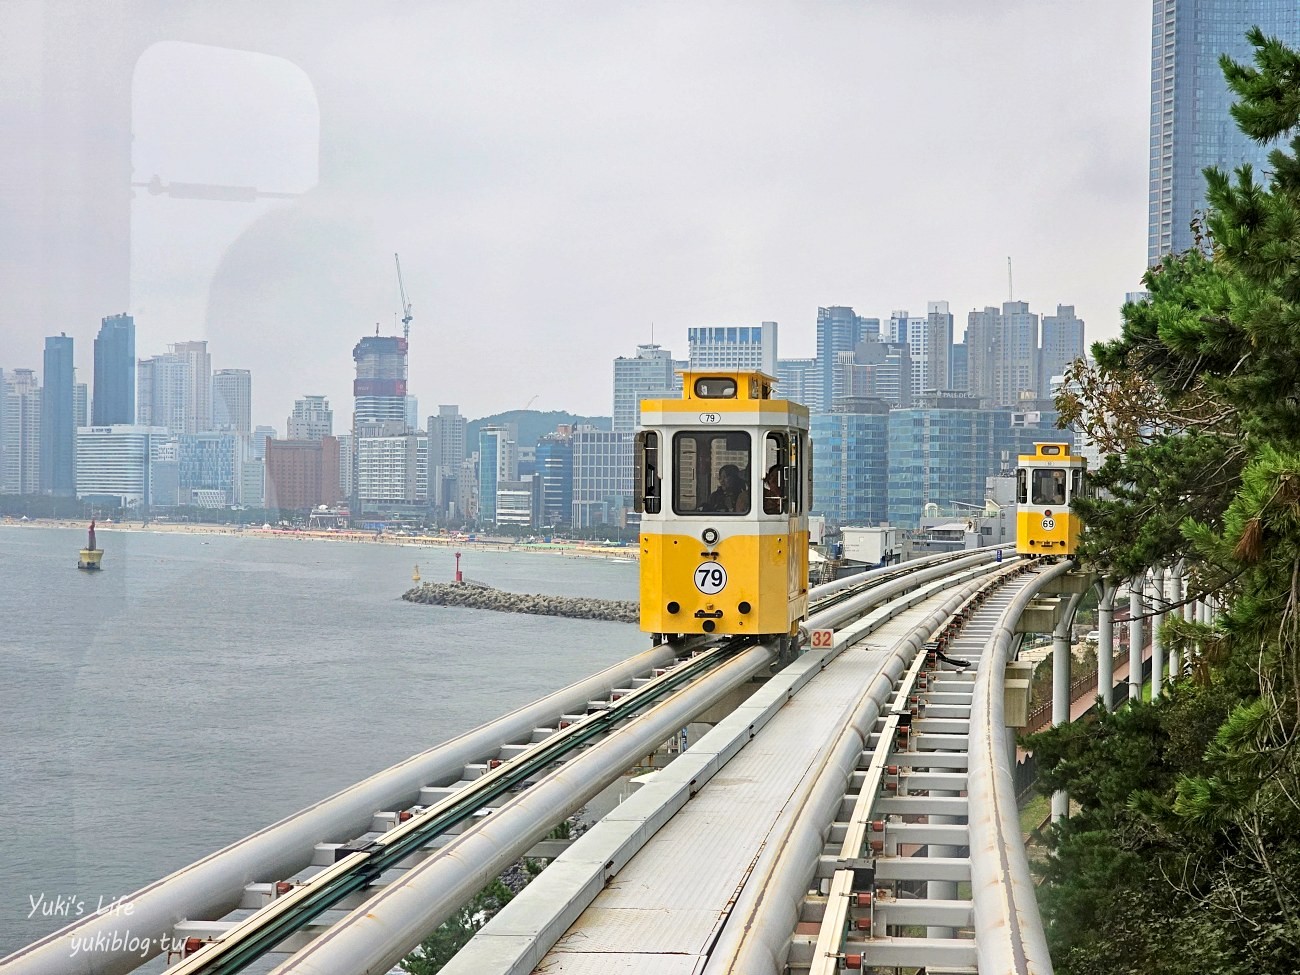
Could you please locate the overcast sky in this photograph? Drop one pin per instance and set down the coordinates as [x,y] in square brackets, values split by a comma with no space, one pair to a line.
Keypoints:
[559,178]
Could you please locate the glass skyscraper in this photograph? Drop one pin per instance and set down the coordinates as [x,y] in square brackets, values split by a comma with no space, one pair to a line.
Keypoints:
[114,394]
[58,420]
[851,448]
[1191,127]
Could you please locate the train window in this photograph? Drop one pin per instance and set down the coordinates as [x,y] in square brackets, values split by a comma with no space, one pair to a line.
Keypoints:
[806,459]
[1048,486]
[776,483]
[715,387]
[647,481]
[1022,486]
[1076,482]
[711,472]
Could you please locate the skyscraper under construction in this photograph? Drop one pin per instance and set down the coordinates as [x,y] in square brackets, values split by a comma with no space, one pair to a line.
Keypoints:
[380,386]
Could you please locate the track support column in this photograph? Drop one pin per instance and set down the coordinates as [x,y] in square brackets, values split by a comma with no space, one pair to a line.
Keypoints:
[1106,643]
[1135,636]
[1061,688]
[1159,601]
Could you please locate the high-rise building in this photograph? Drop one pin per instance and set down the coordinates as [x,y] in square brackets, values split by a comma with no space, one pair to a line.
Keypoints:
[80,403]
[852,452]
[392,472]
[734,347]
[514,503]
[555,474]
[252,484]
[446,432]
[602,477]
[1191,127]
[799,380]
[4,403]
[114,393]
[312,419]
[115,464]
[910,330]
[209,462]
[936,372]
[380,385]
[301,474]
[1002,354]
[257,442]
[1062,344]
[876,369]
[58,420]
[839,329]
[498,460]
[232,400]
[21,434]
[647,375]
[960,376]
[175,390]
[938,454]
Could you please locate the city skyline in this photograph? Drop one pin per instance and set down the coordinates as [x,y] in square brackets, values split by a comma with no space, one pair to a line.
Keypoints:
[546,198]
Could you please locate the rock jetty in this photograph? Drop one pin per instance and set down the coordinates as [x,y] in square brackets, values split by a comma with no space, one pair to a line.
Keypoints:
[473,596]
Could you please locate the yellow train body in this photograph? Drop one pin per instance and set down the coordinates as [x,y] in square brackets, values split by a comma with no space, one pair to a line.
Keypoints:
[723,482]
[1047,482]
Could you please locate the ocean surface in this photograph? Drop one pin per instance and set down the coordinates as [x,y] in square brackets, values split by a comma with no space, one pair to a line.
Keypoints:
[204,686]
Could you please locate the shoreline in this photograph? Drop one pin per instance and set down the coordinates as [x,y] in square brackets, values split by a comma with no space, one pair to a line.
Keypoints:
[581,550]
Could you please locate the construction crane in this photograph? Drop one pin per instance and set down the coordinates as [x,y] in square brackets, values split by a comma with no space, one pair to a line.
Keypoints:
[406,305]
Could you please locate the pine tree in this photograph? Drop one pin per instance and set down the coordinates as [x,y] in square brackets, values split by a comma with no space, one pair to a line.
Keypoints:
[1186,854]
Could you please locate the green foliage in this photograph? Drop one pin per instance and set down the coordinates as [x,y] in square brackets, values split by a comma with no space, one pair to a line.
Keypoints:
[437,949]
[1185,855]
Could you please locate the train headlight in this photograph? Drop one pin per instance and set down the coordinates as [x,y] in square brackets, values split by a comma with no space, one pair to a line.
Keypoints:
[710,535]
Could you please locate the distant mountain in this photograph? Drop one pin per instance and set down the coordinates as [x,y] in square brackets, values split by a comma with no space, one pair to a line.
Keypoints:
[532,424]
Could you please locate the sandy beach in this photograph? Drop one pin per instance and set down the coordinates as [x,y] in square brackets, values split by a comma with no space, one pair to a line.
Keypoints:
[572,549]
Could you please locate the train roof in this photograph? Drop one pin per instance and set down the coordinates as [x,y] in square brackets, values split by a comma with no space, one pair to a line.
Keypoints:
[1051,451]
[716,384]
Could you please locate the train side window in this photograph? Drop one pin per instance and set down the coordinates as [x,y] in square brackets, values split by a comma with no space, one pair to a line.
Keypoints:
[711,472]
[806,502]
[776,470]
[1048,486]
[1022,486]
[647,481]
[1076,483]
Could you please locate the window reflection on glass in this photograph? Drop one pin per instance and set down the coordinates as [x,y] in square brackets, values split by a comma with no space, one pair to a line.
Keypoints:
[1049,487]
[775,460]
[711,472]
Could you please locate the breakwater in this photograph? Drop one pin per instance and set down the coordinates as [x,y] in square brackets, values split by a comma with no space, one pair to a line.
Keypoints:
[475,596]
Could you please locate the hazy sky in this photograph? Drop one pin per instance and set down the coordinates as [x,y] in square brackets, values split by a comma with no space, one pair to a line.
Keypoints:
[560,176]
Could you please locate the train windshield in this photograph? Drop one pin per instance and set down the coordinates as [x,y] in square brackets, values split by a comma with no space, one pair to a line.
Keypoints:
[711,472]
[1048,487]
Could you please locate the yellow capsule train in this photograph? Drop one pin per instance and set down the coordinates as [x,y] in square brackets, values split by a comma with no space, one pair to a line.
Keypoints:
[723,481]
[1047,482]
